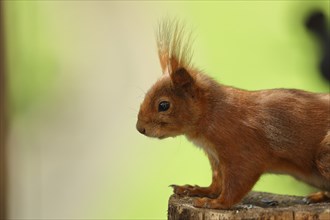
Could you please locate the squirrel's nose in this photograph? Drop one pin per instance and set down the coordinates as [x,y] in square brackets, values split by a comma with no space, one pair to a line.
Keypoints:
[141,129]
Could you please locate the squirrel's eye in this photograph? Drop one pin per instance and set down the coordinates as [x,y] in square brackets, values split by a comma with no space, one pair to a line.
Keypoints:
[163,106]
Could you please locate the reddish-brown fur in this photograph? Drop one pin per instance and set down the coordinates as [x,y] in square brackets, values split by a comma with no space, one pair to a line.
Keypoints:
[244,133]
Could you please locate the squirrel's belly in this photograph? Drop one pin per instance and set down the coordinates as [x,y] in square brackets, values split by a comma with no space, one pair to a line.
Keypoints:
[313,178]
[317,181]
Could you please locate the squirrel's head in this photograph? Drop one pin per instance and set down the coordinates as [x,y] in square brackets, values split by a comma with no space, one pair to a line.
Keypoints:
[170,107]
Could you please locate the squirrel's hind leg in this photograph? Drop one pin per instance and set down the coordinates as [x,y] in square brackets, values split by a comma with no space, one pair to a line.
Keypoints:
[319,197]
[323,157]
[323,165]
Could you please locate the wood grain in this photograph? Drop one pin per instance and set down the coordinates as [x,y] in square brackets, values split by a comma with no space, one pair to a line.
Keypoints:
[256,205]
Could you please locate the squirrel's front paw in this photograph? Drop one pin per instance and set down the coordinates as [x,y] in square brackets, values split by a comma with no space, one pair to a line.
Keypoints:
[183,190]
[188,190]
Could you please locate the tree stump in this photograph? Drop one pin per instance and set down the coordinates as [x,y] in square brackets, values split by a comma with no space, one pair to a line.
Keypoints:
[256,205]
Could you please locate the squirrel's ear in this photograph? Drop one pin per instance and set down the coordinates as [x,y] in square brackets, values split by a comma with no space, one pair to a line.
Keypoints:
[181,77]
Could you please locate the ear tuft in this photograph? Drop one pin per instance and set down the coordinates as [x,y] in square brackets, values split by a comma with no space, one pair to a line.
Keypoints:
[181,78]
[174,45]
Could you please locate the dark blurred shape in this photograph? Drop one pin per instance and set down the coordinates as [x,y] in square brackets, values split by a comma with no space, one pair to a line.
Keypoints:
[316,23]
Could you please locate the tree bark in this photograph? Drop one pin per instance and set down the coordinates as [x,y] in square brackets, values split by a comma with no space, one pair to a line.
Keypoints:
[256,205]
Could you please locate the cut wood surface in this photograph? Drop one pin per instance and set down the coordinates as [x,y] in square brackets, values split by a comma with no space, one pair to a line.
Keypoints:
[256,205]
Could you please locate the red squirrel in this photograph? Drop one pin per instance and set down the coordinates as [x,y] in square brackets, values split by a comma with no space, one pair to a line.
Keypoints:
[243,133]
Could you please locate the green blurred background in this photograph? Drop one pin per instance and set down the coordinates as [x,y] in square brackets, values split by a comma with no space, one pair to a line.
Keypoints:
[78,71]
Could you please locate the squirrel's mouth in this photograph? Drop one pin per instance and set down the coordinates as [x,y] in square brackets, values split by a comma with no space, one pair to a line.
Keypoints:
[155,136]
[162,137]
